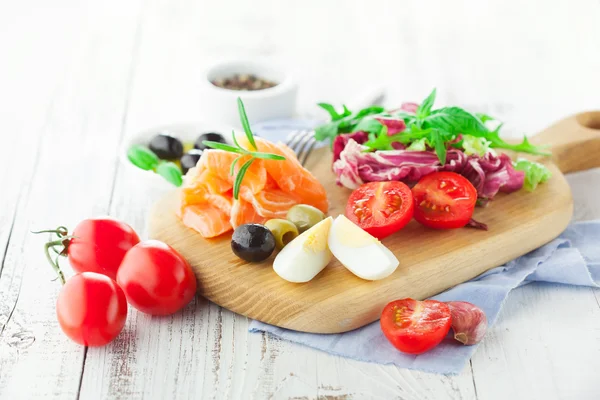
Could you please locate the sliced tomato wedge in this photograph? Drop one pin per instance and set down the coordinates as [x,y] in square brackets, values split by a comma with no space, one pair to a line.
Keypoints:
[415,327]
[381,208]
[444,200]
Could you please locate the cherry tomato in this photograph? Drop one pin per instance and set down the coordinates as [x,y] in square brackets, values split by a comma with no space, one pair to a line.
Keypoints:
[156,279]
[380,208]
[413,326]
[99,245]
[444,200]
[91,309]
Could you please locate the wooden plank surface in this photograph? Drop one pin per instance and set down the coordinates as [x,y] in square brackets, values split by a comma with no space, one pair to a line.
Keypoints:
[72,73]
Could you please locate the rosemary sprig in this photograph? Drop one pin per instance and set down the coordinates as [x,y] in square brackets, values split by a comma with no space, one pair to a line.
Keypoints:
[238,149]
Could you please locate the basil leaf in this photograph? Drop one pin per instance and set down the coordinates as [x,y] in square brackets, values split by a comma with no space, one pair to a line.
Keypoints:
[223,146]
[424,108]
[239,177]
[484,117]
[170,172]
[535,173]
[142,157]
[439,146]
[455,120]
[370,125]
[245,123]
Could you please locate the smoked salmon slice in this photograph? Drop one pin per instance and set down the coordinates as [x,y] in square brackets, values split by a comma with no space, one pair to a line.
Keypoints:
[268,190]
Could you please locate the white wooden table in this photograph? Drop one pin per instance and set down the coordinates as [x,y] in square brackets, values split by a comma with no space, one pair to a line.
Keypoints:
[76,77]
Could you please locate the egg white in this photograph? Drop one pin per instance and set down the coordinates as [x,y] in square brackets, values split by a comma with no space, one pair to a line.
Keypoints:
[360,252]
[305,256]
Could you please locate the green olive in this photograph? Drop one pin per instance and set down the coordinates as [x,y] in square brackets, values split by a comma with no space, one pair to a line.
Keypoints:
[283,230]
[304,216]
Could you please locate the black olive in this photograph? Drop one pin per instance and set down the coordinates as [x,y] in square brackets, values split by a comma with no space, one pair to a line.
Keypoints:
[166,147]
[252,242]
[189,160]
[212,136]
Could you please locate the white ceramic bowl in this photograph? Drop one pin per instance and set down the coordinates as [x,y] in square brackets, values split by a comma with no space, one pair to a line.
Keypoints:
[261,105]
[149,181]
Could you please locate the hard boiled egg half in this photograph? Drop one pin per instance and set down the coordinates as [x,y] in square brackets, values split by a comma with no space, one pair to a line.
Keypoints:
[305,256]
[360,252]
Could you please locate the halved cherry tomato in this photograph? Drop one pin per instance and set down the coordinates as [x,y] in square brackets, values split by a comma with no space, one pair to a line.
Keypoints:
[381,208]
[444,200]
[99,245]
[91,309]
[413,326]
[156,279]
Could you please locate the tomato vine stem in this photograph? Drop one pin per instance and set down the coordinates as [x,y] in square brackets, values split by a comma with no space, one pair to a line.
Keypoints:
[63,242]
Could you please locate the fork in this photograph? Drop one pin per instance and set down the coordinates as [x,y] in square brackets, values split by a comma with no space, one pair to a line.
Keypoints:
[303,142]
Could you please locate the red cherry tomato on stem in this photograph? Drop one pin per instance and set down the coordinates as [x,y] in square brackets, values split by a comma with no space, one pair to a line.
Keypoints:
[156,279]
[415,327]
[91,309]
[99,245]
[444,200]
[380,208]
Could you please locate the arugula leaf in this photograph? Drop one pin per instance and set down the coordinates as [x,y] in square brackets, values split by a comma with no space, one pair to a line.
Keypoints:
[333,113]
[345,124]
[475,145]
[240,176]
[524,147]
[245,123]
[424,108]
[439,146]
[371,110]
[484,117]
[384,141]
[370,125]
[380,142]
[535,173]
[418,145]
[326,131]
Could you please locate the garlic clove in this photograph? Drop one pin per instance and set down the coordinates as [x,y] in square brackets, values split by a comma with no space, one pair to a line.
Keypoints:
[469,322]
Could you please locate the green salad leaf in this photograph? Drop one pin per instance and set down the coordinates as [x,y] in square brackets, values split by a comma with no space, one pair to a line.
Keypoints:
[535,173]
[475,145]
[418,145]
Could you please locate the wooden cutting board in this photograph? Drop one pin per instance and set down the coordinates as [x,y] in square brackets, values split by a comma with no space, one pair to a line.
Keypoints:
[430,261]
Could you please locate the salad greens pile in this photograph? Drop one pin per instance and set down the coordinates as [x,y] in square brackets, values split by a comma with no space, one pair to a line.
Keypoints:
[437,129]
[424,128]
